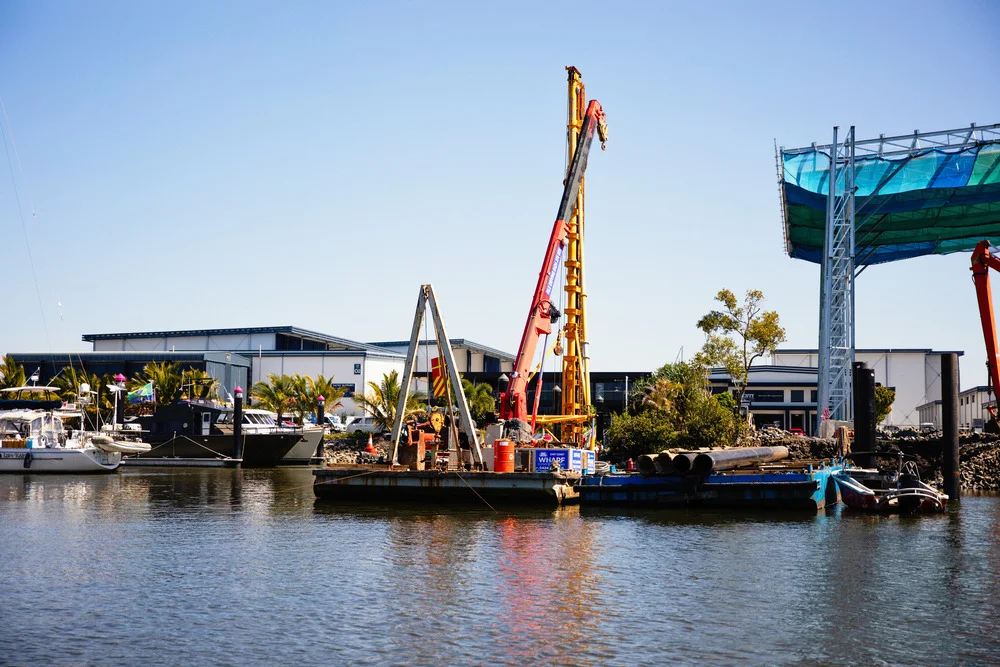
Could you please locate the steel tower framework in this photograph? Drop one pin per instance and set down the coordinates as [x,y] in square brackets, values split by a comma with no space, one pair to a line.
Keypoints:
[836,317]
[845,256]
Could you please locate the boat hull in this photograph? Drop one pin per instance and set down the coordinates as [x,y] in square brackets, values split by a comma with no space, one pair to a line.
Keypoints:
[919,499]
[803,489]
[304,451]
[260,450]
[57,460]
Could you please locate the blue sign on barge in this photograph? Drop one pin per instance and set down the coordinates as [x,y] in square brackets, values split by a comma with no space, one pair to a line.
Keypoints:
[786,485]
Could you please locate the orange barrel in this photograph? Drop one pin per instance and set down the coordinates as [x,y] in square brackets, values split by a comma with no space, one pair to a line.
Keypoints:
[503,456]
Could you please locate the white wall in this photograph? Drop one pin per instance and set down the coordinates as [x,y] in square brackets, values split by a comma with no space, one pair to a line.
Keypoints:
[168,343]
[916,377]
[971,406]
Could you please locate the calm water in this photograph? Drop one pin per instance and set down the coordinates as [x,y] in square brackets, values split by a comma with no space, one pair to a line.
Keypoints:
[246,567]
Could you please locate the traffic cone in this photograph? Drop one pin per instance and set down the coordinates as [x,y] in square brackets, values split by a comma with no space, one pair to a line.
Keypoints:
[370,448]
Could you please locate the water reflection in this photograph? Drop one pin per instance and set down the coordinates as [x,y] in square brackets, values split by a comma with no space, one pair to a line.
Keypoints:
[157,557]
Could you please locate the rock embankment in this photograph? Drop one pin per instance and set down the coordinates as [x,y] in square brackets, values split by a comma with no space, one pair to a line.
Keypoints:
[979,454]
[348,451]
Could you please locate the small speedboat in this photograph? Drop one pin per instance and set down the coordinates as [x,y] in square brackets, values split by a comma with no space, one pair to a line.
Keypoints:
[895,491]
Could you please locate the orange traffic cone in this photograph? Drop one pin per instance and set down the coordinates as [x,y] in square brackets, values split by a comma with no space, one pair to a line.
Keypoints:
[370,448]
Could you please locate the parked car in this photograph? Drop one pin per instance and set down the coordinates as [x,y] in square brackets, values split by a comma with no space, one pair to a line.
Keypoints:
[334,424]
[365,425]
[796,431]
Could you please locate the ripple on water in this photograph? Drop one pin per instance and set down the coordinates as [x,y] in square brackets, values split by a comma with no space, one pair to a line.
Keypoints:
[245,567]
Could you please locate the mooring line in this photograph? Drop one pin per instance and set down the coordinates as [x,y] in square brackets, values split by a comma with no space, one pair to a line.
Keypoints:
[475,492]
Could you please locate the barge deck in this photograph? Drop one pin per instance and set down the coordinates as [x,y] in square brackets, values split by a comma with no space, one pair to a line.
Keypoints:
[377,484]
[805,485]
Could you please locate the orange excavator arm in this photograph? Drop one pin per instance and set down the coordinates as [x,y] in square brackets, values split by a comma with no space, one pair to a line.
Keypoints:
[982,262]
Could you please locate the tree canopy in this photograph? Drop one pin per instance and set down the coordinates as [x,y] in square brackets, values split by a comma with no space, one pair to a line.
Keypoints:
[671,408]
[739,334]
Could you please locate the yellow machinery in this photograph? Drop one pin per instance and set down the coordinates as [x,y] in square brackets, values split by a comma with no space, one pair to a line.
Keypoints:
[575,365]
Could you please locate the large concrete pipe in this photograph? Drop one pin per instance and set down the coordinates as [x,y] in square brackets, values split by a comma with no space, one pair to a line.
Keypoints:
[664,463]
[683,461]
[647,464]
[727,459]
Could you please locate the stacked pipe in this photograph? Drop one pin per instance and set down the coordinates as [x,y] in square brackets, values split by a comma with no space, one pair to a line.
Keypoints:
[707,462]
[655,464]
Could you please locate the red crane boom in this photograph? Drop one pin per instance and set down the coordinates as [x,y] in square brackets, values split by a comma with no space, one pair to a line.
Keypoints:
[982,262]
[541,315]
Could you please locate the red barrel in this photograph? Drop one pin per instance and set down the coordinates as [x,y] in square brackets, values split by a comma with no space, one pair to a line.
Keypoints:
[503,456]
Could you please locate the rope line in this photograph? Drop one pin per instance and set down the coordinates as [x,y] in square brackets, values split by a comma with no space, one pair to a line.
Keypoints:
[457,474]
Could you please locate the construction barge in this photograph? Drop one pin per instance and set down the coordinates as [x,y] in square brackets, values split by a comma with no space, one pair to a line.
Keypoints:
[356,483]
[797,485]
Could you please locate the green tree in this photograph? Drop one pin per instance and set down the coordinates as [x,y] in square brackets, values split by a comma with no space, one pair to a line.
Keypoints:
[673,407]
[69,380]
[738,335]
[277,394]
[632,435]
[309,391]
[167,381]
[380,401]
[11,373]
[884,398]
[482,405]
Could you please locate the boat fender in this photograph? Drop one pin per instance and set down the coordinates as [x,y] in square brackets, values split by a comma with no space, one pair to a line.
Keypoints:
[27,459]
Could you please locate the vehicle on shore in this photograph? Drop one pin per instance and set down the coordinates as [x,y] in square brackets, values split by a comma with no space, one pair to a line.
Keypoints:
[365,425]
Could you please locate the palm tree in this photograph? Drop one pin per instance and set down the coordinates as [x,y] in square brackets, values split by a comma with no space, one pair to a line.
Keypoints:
[200,385]
[69,380]
[309,390]
[381,399]
[11,373]
[167,380]
[276,394]
[482,405]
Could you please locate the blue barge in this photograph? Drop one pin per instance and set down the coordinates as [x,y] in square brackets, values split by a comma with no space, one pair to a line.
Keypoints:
[807,485]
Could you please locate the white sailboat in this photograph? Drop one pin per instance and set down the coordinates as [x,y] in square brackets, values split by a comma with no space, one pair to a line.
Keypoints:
[34,439]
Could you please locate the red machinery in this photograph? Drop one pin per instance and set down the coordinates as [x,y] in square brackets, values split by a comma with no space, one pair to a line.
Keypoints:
[541,315]
[982,262]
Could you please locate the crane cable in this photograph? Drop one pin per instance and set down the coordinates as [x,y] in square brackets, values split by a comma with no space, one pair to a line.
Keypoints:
[20,213]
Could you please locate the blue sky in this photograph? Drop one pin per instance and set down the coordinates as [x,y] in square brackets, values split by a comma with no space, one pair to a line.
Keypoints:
[226,164]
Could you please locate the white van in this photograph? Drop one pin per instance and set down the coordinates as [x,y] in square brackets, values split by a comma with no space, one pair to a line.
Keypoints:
[365,425]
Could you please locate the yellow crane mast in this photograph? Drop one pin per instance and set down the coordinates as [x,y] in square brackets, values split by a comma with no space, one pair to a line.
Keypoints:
[575,364]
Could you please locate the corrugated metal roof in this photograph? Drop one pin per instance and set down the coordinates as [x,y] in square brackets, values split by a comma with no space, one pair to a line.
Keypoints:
[238,331]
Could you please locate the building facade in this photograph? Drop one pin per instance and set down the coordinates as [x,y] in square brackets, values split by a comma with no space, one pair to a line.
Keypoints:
[290,350]
[913,373]
[973,410]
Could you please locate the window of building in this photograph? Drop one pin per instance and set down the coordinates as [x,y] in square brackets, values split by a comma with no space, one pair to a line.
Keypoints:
[768,395]
[798,396]
[814,396]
